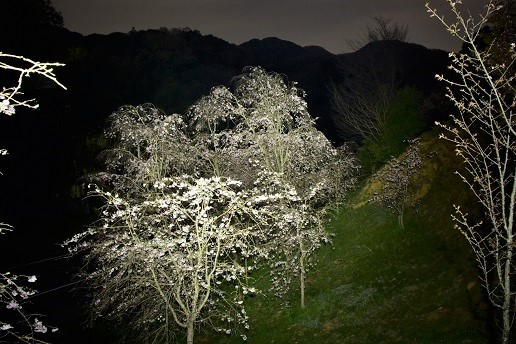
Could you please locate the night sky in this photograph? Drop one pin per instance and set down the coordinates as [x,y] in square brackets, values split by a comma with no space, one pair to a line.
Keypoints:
[327,23]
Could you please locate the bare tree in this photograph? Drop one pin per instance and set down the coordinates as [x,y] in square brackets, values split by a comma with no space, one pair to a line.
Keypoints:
[361,102]
[360,107]
[382,29]
[484,134]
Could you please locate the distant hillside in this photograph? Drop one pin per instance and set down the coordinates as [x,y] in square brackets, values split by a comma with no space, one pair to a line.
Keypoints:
[173,67]
[273,51]
[170,68]
[415,65]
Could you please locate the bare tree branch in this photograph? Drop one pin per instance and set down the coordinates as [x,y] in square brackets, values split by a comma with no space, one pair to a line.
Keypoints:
[382,29]
[24,68]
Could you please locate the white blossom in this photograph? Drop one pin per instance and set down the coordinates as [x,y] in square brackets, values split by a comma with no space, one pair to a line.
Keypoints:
[39,327]
[5,327]
[12,305]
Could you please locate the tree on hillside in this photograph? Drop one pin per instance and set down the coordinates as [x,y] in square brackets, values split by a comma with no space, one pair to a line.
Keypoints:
[484,134]
[262,133]
[372,107]
[193,207]
[382,29]
[396,178]
[360,104]
[172,248]
[174,256]
[304,166]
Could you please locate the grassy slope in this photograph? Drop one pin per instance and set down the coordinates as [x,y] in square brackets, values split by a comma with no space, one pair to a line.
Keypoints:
[381,284]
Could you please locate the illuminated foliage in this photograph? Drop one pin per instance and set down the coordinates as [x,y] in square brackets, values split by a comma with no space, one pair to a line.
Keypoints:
[193,208]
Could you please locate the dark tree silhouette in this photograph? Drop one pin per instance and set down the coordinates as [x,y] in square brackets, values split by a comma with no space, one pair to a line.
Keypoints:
[29,13]
[382,29]
[499,33]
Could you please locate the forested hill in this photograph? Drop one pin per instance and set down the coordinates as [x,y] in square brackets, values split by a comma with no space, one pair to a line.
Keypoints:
[173,67]
[170,68]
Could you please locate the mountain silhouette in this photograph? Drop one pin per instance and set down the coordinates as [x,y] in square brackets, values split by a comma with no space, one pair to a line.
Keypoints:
[171,68]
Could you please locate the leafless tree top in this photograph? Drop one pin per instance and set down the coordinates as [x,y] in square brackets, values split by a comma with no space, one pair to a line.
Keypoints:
[382,29]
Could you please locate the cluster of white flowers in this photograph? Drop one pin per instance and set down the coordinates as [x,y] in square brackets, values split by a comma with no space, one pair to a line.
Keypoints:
[6,106]
[13,296]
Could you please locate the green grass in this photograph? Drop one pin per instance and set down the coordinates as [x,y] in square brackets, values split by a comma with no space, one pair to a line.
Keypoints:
[378,283]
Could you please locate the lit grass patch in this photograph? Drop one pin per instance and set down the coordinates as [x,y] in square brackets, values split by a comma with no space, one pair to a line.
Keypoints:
[379,283]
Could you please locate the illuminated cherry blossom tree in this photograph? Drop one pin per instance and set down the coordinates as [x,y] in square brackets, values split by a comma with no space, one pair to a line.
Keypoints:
[262,133]
[194,205]
[174,256]
[172,248]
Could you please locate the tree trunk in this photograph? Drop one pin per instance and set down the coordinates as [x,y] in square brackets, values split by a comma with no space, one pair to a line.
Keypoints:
[400,215]
[302,277]
[506,326]
[506,307]
[190,332]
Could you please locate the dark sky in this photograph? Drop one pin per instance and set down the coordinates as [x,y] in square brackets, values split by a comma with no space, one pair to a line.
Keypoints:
[327,23]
